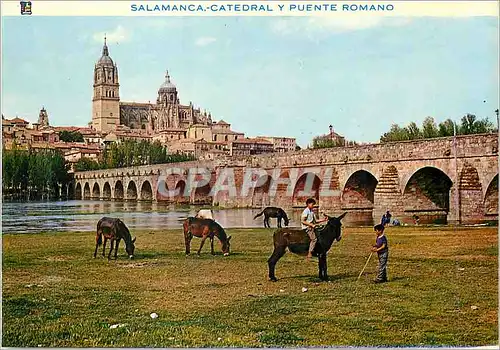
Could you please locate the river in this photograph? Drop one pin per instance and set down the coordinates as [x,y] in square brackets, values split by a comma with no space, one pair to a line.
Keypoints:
[78,215]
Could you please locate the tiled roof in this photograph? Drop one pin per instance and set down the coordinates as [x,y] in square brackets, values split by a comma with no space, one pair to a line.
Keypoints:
[19,120]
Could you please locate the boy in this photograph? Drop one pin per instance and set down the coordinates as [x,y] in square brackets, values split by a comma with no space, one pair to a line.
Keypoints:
[382,249]
[308,223]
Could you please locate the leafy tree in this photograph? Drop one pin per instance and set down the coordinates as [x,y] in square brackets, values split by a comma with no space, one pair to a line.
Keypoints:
[70,136]
[86,164]
[429,128]
[324,142]
[446,128]
[471,125]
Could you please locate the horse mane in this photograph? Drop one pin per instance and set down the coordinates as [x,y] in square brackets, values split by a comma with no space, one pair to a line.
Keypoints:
[122,230]
[220,230]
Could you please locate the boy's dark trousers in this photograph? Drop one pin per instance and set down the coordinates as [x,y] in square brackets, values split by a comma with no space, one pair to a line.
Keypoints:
[382,266]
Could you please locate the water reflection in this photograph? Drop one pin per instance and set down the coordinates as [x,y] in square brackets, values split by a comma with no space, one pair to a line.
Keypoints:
[80,215]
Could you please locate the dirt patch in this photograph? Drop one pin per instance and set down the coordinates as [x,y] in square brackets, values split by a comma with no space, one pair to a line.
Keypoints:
[138,265]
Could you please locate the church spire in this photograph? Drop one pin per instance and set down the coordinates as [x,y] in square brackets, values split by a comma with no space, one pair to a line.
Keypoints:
[105,51]
[167,77]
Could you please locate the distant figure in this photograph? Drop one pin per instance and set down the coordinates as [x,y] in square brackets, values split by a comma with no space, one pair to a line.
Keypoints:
[416,219]
[396,222]
[205,214]
[386,219]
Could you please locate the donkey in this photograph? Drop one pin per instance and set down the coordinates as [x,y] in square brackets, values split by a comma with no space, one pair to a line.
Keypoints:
[114,230]
[297,241]
[273,212]
[204,228]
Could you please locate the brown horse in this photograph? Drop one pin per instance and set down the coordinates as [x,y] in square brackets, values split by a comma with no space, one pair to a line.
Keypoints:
[297,241]
[205,228]
[114,230]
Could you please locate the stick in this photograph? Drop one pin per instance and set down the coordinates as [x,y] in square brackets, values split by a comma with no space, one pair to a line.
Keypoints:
[367,261]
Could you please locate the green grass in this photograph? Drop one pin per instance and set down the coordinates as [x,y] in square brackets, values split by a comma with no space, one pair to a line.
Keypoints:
[56,295]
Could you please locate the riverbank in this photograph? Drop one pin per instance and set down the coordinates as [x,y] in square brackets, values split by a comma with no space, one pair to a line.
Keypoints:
[442,291]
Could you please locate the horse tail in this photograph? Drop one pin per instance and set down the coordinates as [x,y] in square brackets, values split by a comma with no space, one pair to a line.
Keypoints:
[259,214]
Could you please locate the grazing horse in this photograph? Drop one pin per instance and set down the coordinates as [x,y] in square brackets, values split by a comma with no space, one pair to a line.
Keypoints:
[273,212]
[205,228]
[297,241]
[114,230]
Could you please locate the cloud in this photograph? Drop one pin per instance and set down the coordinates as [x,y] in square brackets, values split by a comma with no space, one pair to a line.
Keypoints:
[314,26]
[118,35]
[205,41]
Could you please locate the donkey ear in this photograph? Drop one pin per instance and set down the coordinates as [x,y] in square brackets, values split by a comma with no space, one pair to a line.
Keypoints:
[133,241]
[228,238]
[342,216]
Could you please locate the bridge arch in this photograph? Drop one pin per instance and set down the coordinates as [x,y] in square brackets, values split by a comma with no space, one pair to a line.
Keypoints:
[491,199]
[427,195]
[78,191]
[358,197]
[307,186]
[86,191]
[146,191]
[260,194]
[96,191]
[180,196]
[202,195]
[118,190]
[106,191]
[131,190]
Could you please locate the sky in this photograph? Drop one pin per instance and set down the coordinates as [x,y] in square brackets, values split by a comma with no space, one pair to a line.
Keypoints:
[285,76]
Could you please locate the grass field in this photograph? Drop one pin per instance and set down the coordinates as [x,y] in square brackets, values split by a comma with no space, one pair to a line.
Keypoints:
[442,291]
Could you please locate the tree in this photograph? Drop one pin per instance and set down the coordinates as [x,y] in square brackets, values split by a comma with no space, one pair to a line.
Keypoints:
[396,133]
[471,125]
[429,128]
[325,142]
[70,136]
[86,164]
[446,128]
[414,132]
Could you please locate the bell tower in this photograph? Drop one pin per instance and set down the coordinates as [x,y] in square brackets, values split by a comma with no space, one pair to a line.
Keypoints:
[106,98]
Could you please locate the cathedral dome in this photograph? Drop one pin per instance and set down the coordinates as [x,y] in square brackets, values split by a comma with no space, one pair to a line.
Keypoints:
[105,60]
[167,86]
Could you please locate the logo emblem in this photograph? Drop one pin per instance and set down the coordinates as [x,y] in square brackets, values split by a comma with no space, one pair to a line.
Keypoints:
[25,7]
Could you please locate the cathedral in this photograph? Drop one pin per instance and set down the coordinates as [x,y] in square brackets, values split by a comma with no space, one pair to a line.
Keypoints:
[108,112]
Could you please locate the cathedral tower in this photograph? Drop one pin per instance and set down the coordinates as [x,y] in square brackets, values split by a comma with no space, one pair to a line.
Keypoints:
[43,118]
[106,99]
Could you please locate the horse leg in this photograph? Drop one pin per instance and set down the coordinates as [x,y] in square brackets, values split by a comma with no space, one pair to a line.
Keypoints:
[116,248]
[266,222]
[202,243]
[273,259]
[212,245]
[279,221]
[110,248]
[322,267]
[187,240]
[104,246]
[97,244]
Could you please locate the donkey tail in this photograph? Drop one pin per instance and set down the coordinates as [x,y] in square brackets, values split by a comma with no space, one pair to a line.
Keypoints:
[259,214]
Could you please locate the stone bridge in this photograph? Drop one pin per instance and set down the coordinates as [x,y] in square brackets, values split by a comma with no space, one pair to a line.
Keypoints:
[439,180]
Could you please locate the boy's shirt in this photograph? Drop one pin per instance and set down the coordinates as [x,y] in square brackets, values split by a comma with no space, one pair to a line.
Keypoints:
[380,241]
[307,215]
